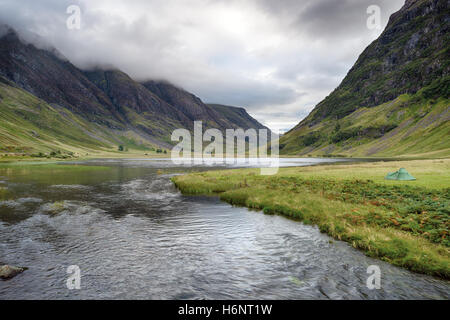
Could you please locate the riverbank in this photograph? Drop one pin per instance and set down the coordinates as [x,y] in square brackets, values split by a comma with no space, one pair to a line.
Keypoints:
[14,158]
[405,223]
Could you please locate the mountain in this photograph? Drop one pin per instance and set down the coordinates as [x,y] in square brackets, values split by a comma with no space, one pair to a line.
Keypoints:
[394,100]
[220,116]
[191,106]
[108,107]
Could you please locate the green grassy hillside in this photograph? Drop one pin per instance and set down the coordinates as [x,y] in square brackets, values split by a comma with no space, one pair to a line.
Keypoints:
[410,125]
[28,125]
[31,127]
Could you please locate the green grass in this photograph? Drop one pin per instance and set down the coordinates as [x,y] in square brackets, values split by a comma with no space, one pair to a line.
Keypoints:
[403,223]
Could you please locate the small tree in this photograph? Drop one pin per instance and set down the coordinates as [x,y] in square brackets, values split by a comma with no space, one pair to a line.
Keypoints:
[121,148]
[337,127]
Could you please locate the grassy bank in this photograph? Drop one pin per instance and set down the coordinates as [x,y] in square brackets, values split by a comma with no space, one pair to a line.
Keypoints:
[405,223]
[132,154]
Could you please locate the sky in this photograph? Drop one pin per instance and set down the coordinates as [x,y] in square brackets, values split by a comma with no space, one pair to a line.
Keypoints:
[276,58]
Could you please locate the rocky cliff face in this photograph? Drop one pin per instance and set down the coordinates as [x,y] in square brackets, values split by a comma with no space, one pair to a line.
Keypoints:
[411,57]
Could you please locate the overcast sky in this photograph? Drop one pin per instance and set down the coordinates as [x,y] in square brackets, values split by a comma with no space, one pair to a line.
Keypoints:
[277,58]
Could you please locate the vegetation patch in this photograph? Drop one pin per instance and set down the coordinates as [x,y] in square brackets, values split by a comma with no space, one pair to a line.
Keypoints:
[403,223]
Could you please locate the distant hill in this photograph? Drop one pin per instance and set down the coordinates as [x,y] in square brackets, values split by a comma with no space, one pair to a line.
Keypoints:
[99,108]
[394,100]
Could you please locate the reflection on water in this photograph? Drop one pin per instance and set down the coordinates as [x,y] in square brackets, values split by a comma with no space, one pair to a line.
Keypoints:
[135,236]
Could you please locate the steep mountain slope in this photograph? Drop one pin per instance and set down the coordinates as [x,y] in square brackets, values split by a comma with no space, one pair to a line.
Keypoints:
[52,78]
[395,99]
[237,116]
[190,105]
[29,125]
[138,107]
[111,107]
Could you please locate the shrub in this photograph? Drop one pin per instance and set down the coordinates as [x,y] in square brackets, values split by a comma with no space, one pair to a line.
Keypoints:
[311,139]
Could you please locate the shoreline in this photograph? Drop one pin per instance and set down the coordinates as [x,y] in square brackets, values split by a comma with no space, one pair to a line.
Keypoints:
[4,158]
[400,222]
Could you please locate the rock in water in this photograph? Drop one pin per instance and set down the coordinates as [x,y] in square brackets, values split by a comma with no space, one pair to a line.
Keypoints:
[8,272]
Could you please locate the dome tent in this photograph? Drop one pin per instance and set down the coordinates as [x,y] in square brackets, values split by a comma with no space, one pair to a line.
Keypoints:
[401,174]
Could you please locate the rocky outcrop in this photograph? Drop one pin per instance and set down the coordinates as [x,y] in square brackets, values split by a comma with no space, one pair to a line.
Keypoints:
[8,272]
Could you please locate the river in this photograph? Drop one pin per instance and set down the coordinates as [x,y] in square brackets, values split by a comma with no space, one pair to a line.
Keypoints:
[134,236]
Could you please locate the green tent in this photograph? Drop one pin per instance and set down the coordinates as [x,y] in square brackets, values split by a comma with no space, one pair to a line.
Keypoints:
[401,174]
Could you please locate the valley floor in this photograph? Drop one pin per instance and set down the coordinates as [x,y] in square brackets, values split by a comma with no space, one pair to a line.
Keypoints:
[405,223]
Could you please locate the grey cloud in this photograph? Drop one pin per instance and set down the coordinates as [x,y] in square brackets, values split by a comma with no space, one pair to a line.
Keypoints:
[325,19]
[250,95]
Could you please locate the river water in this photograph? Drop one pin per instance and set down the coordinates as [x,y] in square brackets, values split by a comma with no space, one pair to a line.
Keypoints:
[134,236]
